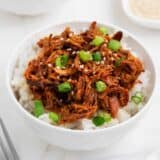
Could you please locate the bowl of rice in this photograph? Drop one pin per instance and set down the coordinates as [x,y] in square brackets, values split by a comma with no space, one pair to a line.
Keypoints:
[81,85]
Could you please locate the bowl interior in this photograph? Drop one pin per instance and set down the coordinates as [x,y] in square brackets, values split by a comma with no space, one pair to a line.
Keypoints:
[26,47]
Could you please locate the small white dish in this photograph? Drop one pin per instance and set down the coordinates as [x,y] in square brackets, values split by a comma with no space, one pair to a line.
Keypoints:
[155,24]
[79,139]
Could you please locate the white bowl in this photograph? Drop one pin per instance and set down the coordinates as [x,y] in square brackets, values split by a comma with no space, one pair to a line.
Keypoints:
[29,7]
[79,139]
[155,24]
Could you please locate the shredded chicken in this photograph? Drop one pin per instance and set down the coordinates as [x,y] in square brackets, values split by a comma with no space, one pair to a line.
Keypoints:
[83,101]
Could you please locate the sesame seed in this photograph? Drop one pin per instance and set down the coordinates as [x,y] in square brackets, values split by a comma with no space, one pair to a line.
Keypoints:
[69,49]
[104,58]
[97,62]
[116,55]
[61,38]
[74,52]
[81,66]
[85,70]
[49,65]
[102,62]
[71,34]
[63,67]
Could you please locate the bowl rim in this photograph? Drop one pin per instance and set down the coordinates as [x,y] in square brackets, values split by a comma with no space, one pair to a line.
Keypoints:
[39,122]
[151,23]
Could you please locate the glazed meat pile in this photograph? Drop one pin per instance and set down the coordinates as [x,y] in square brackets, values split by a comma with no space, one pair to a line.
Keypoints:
[65,73]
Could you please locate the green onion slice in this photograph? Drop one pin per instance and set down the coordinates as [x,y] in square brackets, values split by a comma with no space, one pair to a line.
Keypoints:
[85,56]
[119,61]
[114,45]
[139,94]
[38,108]
[97,41]
[97,56]
[54,117]
[100,86]
[136,99]
[64,87]
[62,61]
[105,115]
[98,121]
[104,30]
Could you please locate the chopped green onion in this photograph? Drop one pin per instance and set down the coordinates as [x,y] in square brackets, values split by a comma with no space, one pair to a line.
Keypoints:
[136,99]
[114,45]
[105,115]
[97,41]
[139,94]
[64,87]
[58,62]
[54,117]
[118,62]
[38,108]
[85,56]
[98,121]
[61,61]
[104,30]
[97,56]
[100,86]
[101,118]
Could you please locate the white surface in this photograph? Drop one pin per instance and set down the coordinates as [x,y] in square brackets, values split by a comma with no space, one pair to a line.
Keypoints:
[145,137]
[28,7]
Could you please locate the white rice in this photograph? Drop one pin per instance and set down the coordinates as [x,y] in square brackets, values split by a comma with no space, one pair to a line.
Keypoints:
[45,117]
[25,97]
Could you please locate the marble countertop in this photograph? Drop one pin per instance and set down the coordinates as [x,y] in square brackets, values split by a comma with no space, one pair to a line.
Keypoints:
[145,137]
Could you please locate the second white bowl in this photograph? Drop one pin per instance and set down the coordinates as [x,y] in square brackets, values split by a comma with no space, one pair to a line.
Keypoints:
[155,24]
